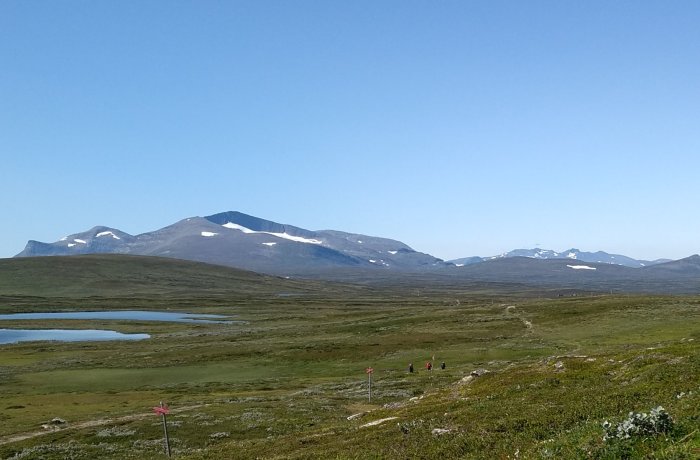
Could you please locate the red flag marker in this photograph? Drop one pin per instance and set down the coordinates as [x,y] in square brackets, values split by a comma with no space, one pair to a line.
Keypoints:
[161,410]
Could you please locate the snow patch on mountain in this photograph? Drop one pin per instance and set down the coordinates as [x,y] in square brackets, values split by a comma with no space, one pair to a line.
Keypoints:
[286,236]
[106,234]
[233,226]
[77,240]
[209,234]
[581,267]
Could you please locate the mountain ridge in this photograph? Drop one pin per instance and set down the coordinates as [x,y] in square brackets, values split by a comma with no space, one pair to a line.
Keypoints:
[239,240]
[572,254]
[243,241]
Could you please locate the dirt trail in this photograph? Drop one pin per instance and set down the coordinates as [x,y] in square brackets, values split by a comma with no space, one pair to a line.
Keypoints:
[91,423]
[513,310]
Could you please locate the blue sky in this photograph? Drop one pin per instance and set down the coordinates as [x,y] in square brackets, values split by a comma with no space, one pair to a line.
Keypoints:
[459,127]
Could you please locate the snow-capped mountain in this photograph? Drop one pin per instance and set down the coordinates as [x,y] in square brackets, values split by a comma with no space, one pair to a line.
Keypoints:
[573,254]
[96,240]
[243,241]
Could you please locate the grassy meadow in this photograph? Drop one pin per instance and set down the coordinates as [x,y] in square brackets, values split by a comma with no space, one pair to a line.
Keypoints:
[291,382]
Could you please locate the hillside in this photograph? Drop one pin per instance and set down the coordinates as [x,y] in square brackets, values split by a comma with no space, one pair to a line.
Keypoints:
[106,276]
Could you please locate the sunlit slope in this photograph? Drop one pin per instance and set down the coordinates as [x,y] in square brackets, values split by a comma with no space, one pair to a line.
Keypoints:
[108,275]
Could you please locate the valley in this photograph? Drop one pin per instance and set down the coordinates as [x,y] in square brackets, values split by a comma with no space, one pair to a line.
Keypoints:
[531,372]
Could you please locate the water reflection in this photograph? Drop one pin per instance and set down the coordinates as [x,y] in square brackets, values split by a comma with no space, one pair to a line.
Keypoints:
[64,335]
[125,315]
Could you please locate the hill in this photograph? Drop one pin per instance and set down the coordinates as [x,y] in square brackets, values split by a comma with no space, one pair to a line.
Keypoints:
[110,276]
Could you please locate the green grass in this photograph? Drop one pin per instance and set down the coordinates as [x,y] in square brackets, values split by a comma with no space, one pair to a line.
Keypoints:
[113,278]
[284,384]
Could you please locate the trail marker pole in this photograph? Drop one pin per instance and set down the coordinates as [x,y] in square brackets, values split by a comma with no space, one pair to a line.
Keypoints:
[369,371]
[162,410]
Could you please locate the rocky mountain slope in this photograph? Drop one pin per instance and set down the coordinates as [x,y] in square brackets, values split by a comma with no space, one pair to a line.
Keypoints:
[239,240]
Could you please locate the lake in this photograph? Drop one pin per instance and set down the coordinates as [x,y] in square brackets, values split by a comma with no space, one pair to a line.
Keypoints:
[124,315]
[80,335]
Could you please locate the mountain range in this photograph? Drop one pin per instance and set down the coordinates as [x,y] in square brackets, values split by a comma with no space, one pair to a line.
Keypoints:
[242,241]
[599,257]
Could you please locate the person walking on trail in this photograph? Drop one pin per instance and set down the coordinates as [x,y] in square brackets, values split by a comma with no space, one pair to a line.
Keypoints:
[410,368]
[442,366]
[429,366]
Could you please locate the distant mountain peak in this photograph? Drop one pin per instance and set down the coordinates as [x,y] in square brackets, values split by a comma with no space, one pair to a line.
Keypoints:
[600,257]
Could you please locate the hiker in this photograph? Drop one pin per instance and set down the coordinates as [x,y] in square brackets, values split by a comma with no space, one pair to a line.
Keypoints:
[429,366]
[442,366]
[410,368]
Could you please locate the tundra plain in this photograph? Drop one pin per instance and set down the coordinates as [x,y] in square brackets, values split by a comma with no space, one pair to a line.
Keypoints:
[530,373]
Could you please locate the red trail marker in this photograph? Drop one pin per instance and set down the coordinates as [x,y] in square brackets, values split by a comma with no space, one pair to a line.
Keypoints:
[161,410]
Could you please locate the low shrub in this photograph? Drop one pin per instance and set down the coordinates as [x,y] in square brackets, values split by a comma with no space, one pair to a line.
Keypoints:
[639,424]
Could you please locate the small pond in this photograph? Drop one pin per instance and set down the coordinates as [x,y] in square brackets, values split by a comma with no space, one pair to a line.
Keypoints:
[64,335]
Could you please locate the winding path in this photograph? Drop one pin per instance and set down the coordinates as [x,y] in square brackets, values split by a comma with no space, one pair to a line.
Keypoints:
[90,423]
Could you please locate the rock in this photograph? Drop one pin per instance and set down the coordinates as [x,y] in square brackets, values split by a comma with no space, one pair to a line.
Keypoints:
[472,375]
[354,416]
[559,365]
[54,424]
[439,431]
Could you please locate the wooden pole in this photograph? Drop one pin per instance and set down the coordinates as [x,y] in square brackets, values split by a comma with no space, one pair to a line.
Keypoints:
[370,386]
[369,371]
[165,430]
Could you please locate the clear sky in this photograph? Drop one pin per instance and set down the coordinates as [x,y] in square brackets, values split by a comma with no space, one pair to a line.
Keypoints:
[458,127]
